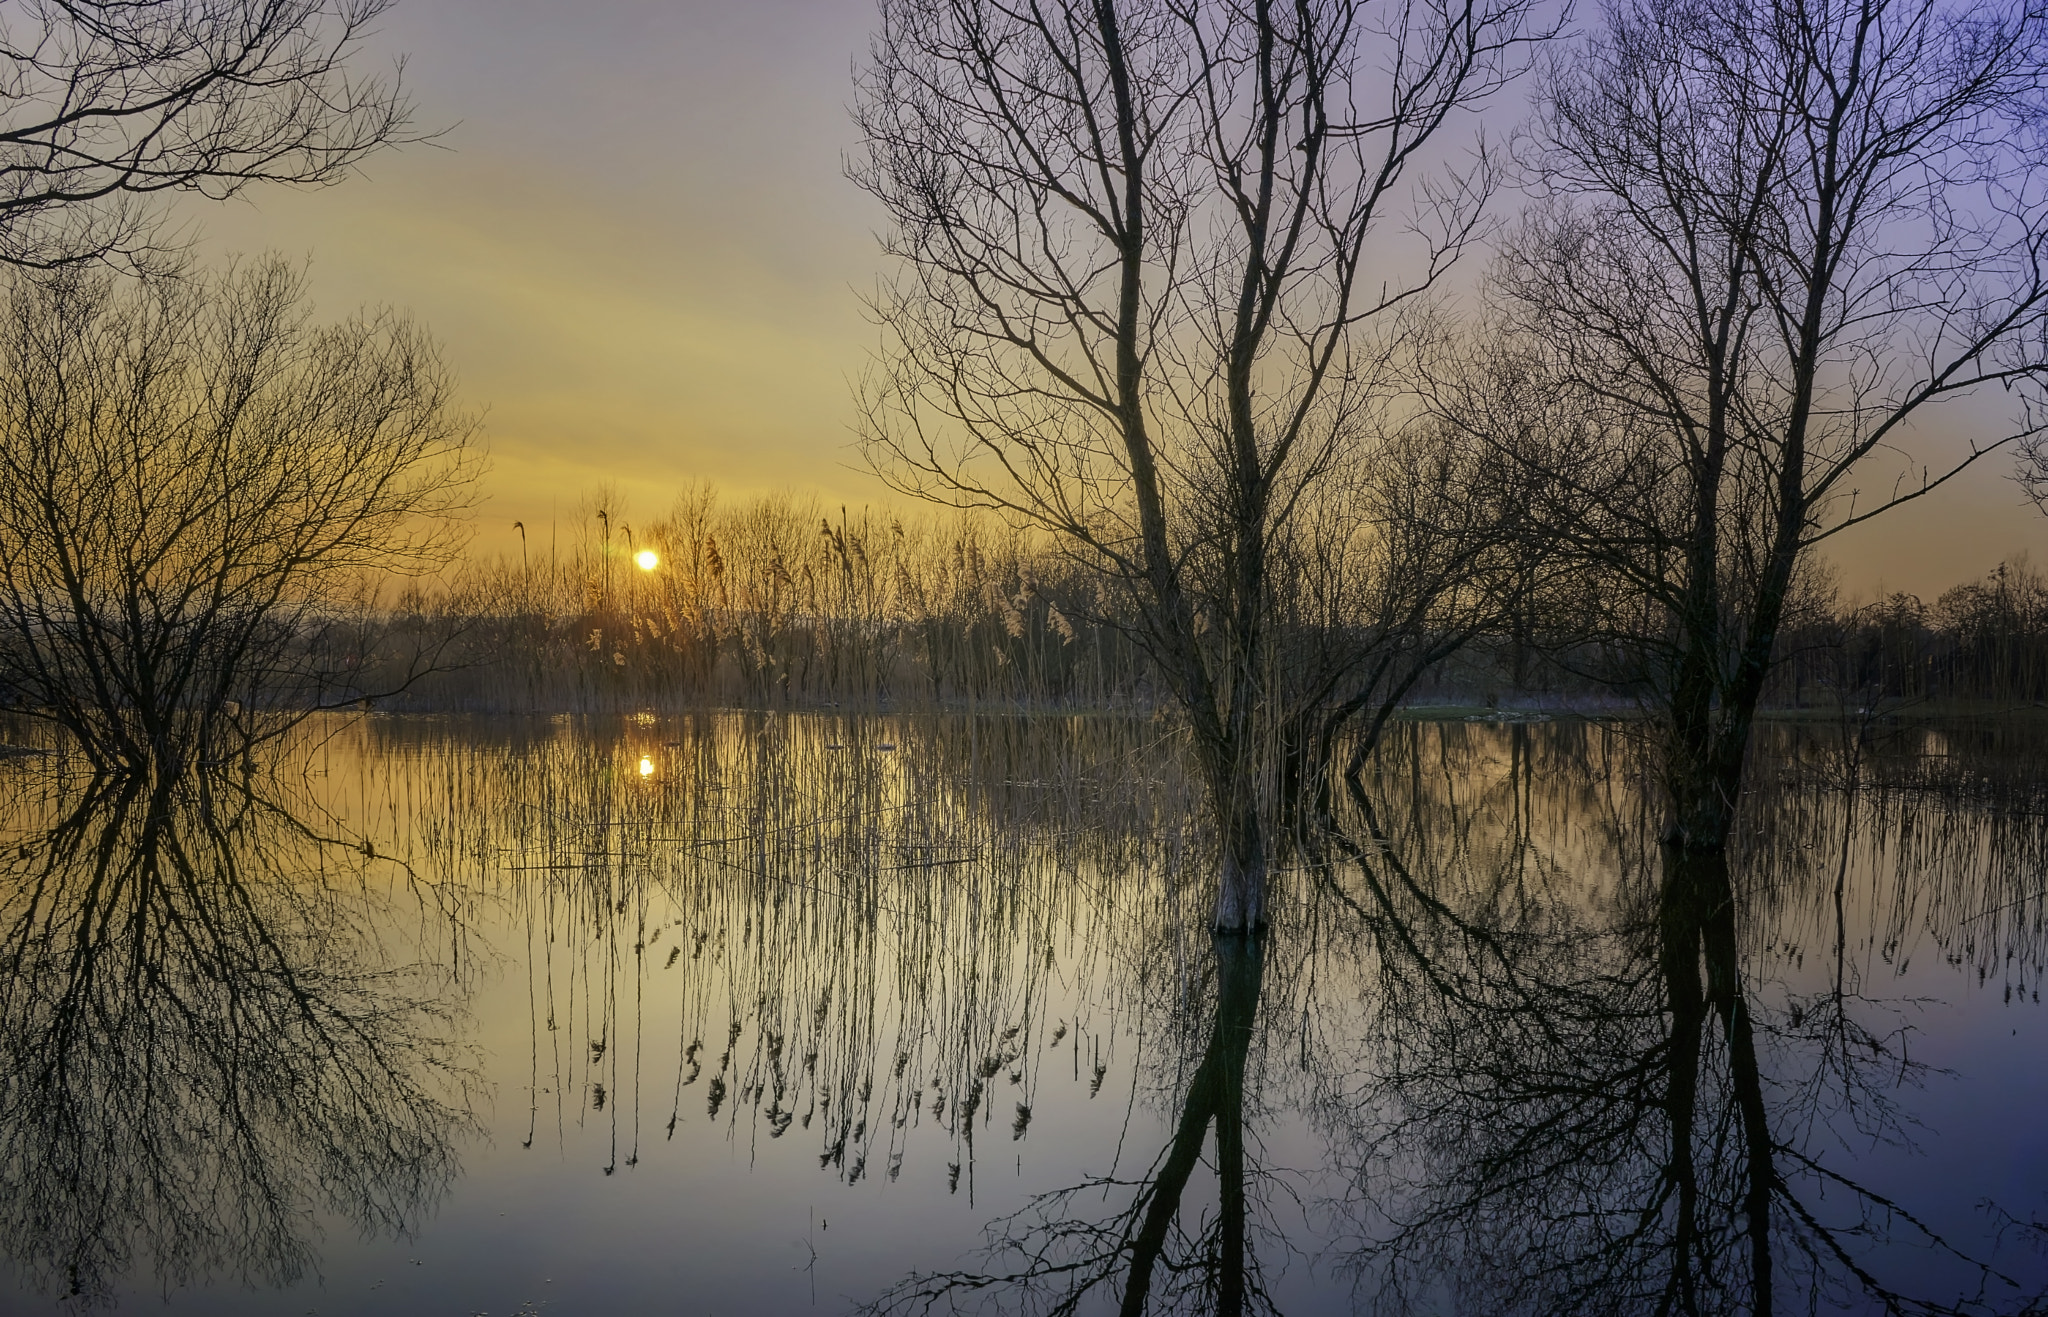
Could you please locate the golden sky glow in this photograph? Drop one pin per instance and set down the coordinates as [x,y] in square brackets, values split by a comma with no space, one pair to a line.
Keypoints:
[635,243]
[637,246]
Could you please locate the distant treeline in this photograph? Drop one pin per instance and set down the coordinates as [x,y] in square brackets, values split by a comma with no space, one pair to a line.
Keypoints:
[1984,641]
[786,601]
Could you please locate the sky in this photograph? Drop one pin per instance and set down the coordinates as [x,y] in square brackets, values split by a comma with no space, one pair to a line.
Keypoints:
[635,239]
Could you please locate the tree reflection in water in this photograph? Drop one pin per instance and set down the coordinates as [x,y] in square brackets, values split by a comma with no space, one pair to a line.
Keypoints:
[1582,1107]
[203,1045]
[1564,1096]
[1523,1061]
[1141,1258]
[890,968]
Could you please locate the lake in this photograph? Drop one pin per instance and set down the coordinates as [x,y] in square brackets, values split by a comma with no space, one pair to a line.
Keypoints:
[758,1012]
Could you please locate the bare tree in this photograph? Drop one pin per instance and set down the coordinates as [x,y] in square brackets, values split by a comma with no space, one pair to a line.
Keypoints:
[105,102]
[191,476]
[1136,309]
[1391,566]
[1773,238]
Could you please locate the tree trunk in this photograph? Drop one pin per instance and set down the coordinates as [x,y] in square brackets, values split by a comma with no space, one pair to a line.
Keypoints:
[1241,884]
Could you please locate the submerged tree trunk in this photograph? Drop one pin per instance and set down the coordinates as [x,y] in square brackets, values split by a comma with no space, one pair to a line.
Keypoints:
[1241,883]
[1235,805]
[1714,711]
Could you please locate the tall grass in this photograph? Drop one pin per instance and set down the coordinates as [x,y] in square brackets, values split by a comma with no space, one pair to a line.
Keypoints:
[775,603]
[787,602]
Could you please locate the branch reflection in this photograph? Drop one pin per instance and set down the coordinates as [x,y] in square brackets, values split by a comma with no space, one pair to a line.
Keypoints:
[1142,1257]
[1546,1067]
[204,1047]
[1587,1106]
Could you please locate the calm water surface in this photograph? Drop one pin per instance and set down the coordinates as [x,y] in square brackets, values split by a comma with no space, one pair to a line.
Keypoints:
[758,1013]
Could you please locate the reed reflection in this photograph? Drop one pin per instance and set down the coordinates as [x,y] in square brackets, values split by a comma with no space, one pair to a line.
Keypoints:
[891,939]
[206,1046]
[856,933]
[1165,1242]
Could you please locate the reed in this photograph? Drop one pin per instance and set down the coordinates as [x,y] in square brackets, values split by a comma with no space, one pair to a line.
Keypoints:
[786,602]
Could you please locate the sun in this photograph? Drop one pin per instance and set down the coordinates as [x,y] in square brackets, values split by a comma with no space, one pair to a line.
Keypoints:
[647,559]
[646,766]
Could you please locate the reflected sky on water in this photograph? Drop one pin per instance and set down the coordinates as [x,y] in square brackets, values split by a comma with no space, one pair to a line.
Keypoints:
[760,1013]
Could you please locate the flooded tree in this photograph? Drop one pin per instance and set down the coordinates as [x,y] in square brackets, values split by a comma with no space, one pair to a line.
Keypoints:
[192,477]
[1137,310]
[1781,246]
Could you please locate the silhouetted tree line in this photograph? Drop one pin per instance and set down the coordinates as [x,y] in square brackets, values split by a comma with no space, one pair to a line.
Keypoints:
[771,603]
[1982,642]
[783,601]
